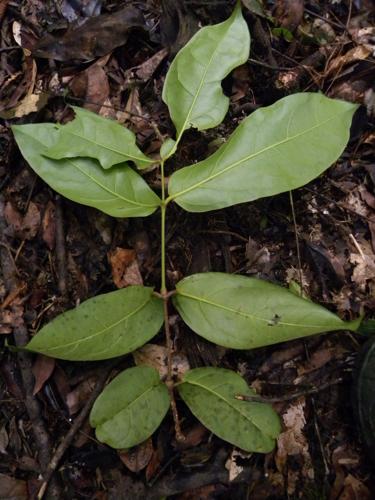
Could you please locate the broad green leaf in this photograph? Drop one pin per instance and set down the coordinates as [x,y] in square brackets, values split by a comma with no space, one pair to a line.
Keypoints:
[192,88]
[130,408]
[243,313]
[93,136]
[103,327]
[120,191]
[210,393]
[275,149]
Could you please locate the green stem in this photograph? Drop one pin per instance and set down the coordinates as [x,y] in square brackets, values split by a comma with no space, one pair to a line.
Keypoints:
[163,288]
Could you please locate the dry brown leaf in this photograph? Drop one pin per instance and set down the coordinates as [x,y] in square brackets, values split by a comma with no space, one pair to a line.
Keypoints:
[92,85]
[97,37]
[49,225]
[42,370]
[232,466]
[355,54]
[145,70]
[125,269]
[292,442]
[364,261]
[24,227]
[289,13]
[12,488]
[354,489]
[156,356]
[138,457]
[77,398]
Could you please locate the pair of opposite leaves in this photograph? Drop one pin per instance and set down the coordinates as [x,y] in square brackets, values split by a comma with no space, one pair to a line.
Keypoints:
[273,150]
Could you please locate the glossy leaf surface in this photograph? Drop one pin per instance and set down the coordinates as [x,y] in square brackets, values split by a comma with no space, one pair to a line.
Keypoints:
[119,192]
[210,393]
[103,327]
[244,313]
[93,136]
[192,88]
[275,149]
[130,408]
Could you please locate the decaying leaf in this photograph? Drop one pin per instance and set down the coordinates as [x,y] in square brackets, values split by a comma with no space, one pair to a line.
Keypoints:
[96,37]
[138,458]
[24,226]
[156,356]
[292,442]
[125,269]
[42,370]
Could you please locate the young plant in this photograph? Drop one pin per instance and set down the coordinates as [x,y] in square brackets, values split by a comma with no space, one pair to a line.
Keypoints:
[275,149]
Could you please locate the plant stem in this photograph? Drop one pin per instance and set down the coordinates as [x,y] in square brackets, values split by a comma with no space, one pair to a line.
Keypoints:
[169,382]
[165,296]
[163,288]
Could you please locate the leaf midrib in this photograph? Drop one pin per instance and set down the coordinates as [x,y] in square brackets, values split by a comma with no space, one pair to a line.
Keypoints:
[247,158]
[242,313]
[201,84]
[222,398]
[113,325]
[105,188]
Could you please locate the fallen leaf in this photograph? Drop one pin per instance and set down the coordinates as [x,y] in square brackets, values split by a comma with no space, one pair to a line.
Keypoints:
[156,356]
[289,13]
[24,226]
[125,269]
[292,442]
[29,104]
[49,225]
[97,37]
[354,489]
[12,488]
[92,85]
[77,398]
[145,70]
[357,53]
[42,370]
[138,457]
[232,466]
[364,264]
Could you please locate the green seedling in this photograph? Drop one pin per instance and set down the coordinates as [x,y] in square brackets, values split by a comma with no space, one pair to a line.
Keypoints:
[96,162]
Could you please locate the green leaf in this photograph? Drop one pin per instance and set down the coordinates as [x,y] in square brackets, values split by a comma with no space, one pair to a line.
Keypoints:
[120,191]
[130,408]
[210,393]
[244,313]
[275,149]
[103,327]
[93,136]
[192,88]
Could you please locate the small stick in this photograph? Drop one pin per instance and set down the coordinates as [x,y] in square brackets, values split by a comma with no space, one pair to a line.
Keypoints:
[66,442]
[287,397]
[297,241]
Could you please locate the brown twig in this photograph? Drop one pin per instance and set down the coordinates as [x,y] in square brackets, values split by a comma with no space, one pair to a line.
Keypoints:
[169,381]
[41,437]
[297,242]
[66,442]
[288,397]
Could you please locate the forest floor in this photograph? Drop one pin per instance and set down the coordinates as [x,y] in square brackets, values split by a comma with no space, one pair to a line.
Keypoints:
[56,253]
